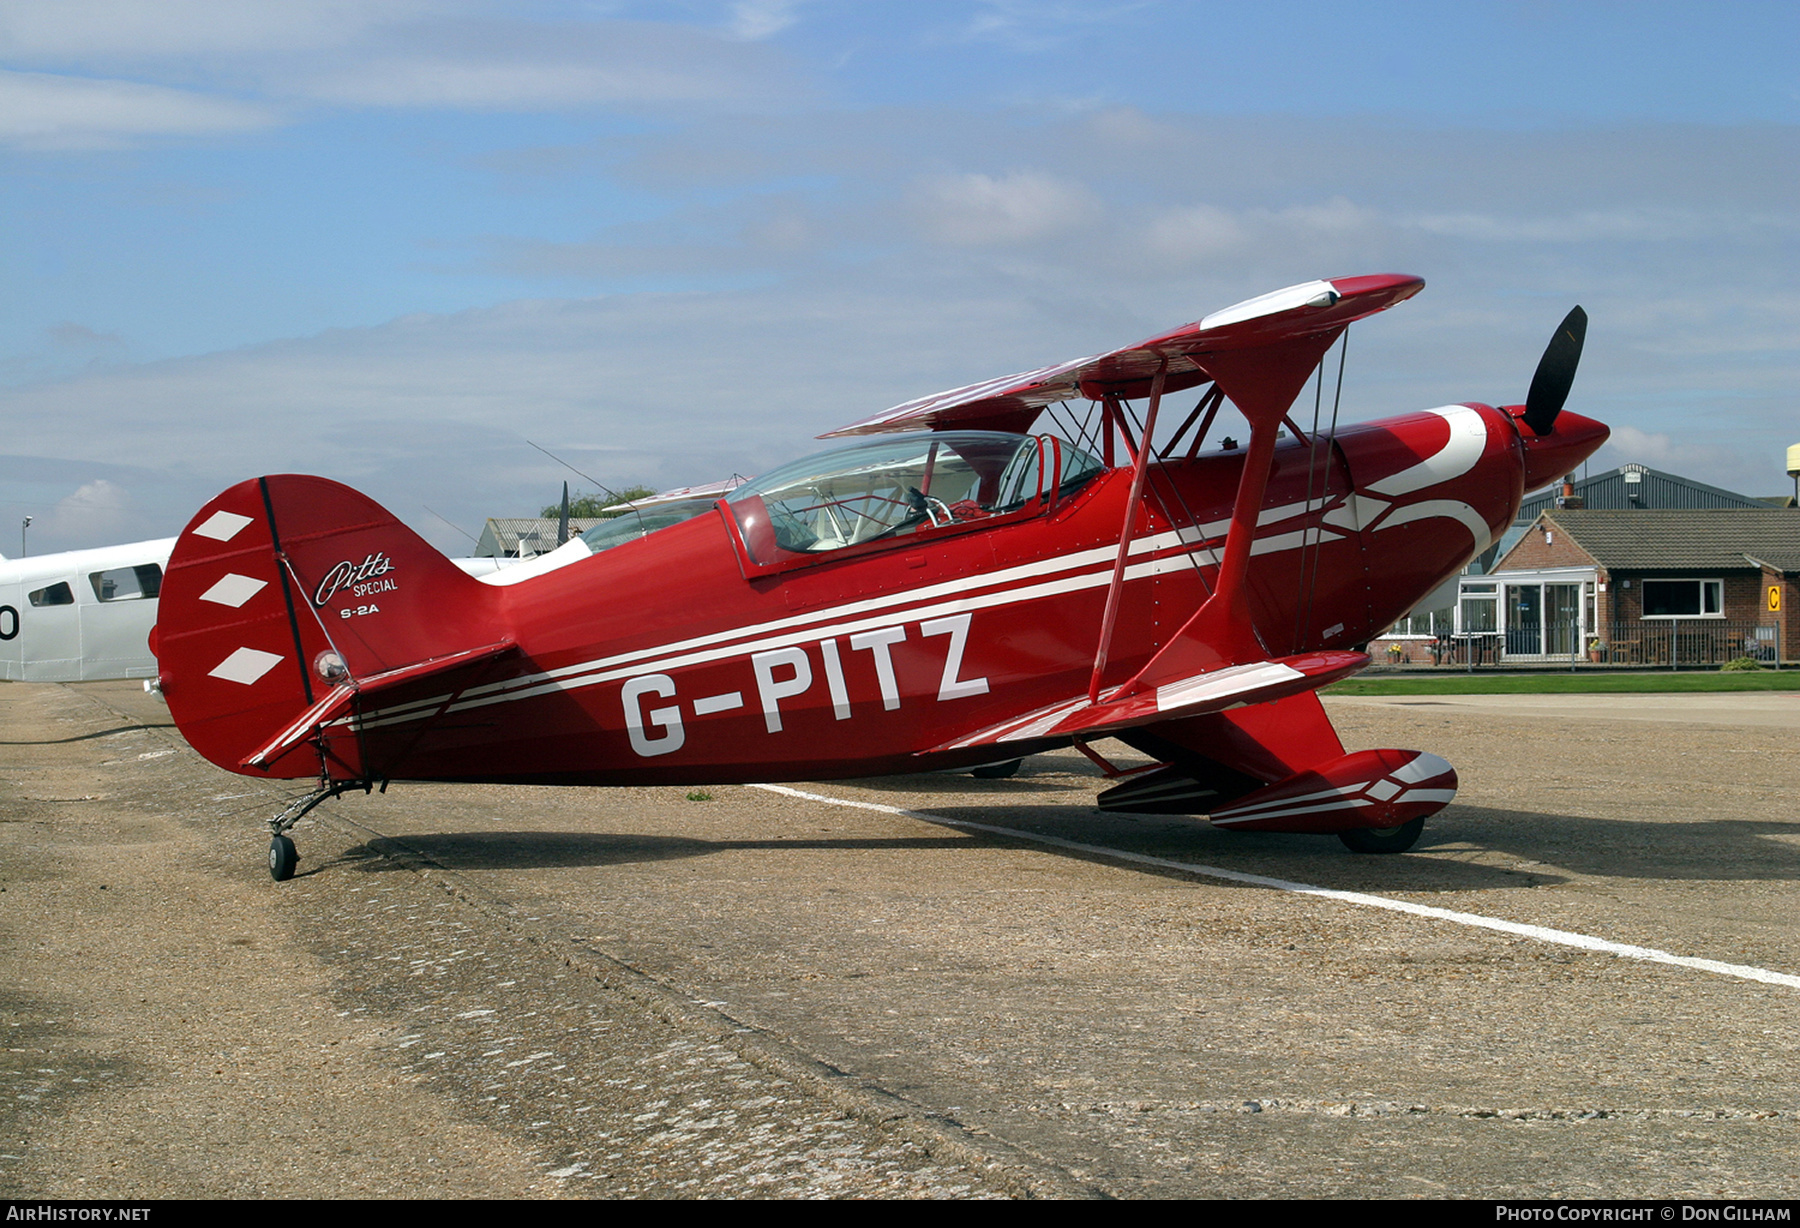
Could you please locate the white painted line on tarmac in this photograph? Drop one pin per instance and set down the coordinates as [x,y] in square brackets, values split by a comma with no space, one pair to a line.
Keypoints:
[1566,938]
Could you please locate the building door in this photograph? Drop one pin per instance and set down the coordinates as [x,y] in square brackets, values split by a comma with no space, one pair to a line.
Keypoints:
[1562,619]
[1524,619]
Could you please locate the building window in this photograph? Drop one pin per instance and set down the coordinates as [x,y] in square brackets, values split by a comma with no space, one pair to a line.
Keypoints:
[1684,598]
[1478,616]
[1425,625]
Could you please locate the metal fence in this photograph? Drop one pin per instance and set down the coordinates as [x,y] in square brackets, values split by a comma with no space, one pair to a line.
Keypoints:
[1652,643]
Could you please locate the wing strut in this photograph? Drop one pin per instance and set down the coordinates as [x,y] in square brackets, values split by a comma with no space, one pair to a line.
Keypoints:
[1140,468]
[1262,383]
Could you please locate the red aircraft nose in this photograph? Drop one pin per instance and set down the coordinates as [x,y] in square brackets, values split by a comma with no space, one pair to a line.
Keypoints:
[1571,440]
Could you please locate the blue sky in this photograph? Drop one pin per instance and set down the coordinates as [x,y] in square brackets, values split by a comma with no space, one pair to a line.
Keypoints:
[391,241]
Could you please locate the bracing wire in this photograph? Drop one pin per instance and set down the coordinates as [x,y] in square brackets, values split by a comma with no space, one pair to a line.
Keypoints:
[1314,531]
[1337,401]
[603,488]
[451,523]
[1181,430]
[1077,429]
[1154,472]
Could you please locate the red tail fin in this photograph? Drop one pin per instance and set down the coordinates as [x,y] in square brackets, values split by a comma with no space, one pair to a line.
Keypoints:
[286,591]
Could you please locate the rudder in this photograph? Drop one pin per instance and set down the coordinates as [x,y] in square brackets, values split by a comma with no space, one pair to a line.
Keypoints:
[286,591]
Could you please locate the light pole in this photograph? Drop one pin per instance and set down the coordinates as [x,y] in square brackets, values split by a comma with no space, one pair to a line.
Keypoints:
[22,529]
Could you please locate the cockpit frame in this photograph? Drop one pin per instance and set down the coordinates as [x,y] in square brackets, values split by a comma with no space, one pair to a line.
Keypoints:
[892,493]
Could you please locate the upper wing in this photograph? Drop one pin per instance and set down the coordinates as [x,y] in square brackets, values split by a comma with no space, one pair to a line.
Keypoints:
[1012,402]
[718,489]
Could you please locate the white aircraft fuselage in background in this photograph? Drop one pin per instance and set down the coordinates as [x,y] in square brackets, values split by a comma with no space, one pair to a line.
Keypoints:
[82,615]
[86,615]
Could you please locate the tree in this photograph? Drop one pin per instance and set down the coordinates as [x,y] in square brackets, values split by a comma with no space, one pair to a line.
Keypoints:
[591,507]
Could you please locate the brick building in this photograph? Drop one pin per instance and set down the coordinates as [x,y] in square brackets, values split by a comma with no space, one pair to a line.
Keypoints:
[1642,586]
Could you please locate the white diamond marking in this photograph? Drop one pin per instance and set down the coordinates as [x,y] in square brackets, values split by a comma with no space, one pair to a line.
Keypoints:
[234,590]
[222,526]
[245,665]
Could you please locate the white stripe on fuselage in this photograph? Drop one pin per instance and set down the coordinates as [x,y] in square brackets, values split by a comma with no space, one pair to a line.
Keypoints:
[643,658]
[1460,453]
[596,672]
[915,605]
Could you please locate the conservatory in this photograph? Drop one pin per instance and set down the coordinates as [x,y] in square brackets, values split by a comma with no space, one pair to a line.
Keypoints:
[1526,616]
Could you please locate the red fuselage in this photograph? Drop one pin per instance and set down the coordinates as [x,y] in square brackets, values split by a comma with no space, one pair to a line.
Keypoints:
[675,658]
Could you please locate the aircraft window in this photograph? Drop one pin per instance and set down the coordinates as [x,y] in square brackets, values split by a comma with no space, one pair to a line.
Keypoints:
[127,583]
[893,487]
[632,525]
[56,594]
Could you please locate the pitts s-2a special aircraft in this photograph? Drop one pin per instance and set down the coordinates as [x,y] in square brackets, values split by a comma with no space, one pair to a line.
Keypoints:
[949,590]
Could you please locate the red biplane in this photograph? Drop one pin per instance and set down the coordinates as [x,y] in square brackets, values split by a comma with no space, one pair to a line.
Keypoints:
[948,590]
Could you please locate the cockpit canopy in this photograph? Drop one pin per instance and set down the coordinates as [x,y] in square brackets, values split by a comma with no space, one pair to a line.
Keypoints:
[899,485]
[641,522]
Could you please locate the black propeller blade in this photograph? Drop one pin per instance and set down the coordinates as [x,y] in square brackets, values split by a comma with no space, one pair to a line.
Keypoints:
[1555,373]
[562,522]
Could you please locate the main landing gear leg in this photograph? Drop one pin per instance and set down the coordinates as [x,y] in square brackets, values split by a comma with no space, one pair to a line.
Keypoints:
[284,858]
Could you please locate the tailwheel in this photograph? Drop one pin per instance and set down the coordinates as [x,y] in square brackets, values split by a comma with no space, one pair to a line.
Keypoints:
[1383,839]
[282,855]
[283,858]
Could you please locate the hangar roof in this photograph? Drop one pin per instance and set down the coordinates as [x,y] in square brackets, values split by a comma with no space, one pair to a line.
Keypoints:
[1639,488]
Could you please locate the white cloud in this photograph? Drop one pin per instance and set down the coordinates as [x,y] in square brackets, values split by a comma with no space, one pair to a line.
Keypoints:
[1726,455]
[45,111]
[1201,232]
[98,511]
[513,66]
[757,19]
[1648,447]
[68,349]
[1022,207]
[1587,226]
[141,29]
[480,85]
[1195,233]
[1335,216]
[1120,227]
[668,389]
[434,410]
[466,54]
[1034,26]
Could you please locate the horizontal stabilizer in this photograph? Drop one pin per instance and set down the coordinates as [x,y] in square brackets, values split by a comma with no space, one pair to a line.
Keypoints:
[1212,691]
[340,701]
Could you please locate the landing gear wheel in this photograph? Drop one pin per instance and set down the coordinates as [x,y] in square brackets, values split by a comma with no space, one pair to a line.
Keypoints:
[997,771]
[1383,839]
[283,857]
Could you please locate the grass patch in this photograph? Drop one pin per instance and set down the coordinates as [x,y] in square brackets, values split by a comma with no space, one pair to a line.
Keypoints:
[699,795]
[1550,683]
